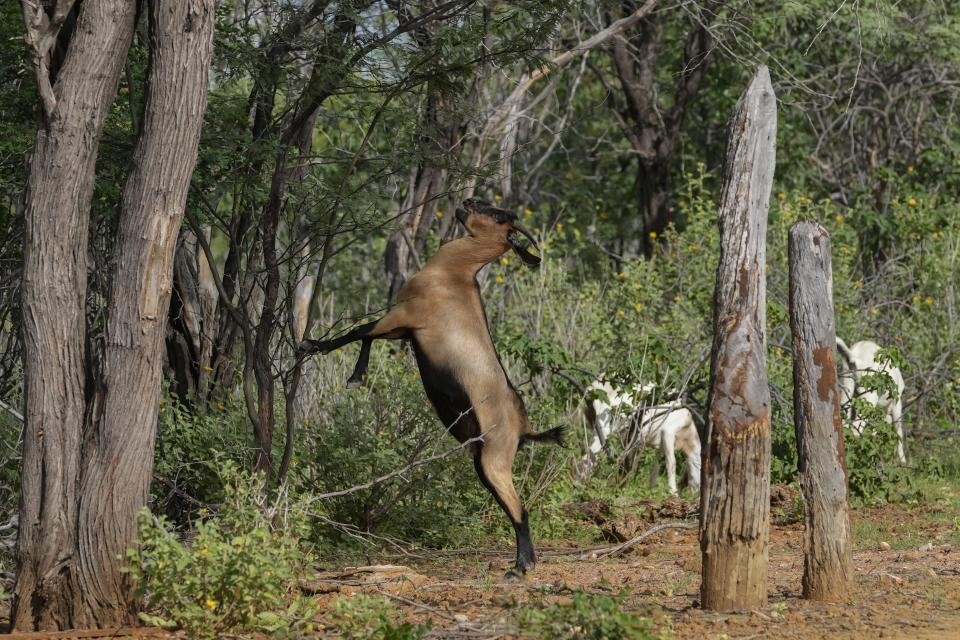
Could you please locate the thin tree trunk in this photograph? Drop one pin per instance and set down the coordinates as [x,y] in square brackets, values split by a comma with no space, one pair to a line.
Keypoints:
[735,498]
[816,400]
[57,212]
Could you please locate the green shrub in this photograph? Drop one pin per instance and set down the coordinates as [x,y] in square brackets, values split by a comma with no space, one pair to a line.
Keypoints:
[362,617]
[586,617]
[192,446]
[237,574]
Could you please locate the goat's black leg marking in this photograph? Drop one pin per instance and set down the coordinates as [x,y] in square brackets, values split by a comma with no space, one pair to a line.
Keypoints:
[326,346]
[356,378]
[526,556]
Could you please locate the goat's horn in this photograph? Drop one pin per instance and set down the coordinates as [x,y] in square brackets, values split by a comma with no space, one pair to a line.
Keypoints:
[522,229]
[528,258]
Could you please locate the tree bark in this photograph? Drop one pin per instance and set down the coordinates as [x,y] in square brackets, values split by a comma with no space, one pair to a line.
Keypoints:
[735,498]
[57,211]
[98,503]
[816,400]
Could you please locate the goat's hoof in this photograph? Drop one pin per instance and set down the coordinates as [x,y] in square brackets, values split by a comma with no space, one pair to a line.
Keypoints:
[515,573]
[353,384]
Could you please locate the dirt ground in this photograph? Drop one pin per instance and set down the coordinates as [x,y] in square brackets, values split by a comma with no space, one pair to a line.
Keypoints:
[907,592]
[907,568]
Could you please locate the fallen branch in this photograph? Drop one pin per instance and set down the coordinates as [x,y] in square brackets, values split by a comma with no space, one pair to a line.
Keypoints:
[620,548]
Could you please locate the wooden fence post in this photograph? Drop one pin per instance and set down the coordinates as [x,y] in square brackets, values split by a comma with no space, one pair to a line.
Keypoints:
[816,406]
[735,494]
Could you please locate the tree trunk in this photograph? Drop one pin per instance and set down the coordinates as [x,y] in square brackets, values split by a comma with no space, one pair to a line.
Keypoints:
[117,448]
[735,496]
[816,400]
[57,211]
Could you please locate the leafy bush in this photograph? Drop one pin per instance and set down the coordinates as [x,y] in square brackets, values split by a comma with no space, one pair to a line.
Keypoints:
[362,617]
[192,446]
[586,617]
[238,572]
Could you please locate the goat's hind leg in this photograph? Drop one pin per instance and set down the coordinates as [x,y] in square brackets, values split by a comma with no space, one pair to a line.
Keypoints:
[497,477]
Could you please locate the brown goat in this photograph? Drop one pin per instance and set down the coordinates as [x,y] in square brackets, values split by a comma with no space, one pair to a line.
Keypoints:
[441,312]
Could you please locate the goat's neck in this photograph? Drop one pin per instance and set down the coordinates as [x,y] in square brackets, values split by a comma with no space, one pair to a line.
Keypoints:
[468,255]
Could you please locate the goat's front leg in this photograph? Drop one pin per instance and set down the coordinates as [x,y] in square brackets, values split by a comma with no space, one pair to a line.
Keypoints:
[309,347]
[896,417]
[396,324]
[356,378]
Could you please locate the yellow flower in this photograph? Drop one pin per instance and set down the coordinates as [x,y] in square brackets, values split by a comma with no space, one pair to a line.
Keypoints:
[858,283]
[203,511]
[528,212]
[439,214]
[782,196]
[676,298]
[568,176]
[622,274]
[928,300]
[653,235]
[559,226]
[621,313]
[694,248]
[910,168]
[497,198]
[874,311]
[499,280]
[221,406]
[912,201]
[636,285]
[162,402]
[805,200]
[211,604]
[916,299]
[204,552]
[838,218]
[637,306]
[504,260]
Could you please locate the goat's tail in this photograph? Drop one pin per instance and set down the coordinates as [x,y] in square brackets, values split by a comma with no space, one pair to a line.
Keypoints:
[552,436]
[844,351]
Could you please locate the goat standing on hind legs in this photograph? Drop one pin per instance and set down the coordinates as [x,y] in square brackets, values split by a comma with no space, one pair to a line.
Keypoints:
[440,310]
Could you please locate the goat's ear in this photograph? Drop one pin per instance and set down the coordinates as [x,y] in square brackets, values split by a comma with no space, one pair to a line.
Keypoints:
[528,258]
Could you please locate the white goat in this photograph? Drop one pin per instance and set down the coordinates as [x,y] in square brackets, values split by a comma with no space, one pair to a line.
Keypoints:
[861,359]
[668,426]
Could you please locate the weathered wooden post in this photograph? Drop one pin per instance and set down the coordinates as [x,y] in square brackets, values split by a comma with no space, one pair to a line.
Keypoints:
[816,406]
[735,494]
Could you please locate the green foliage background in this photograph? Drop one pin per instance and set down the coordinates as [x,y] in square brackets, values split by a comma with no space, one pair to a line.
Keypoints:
[868,146]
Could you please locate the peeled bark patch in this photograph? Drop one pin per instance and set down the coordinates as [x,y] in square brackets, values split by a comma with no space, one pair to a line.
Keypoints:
[823,475]
[735,494]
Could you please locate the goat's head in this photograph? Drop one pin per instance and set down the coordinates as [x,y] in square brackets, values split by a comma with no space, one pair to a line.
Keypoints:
[485,221]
